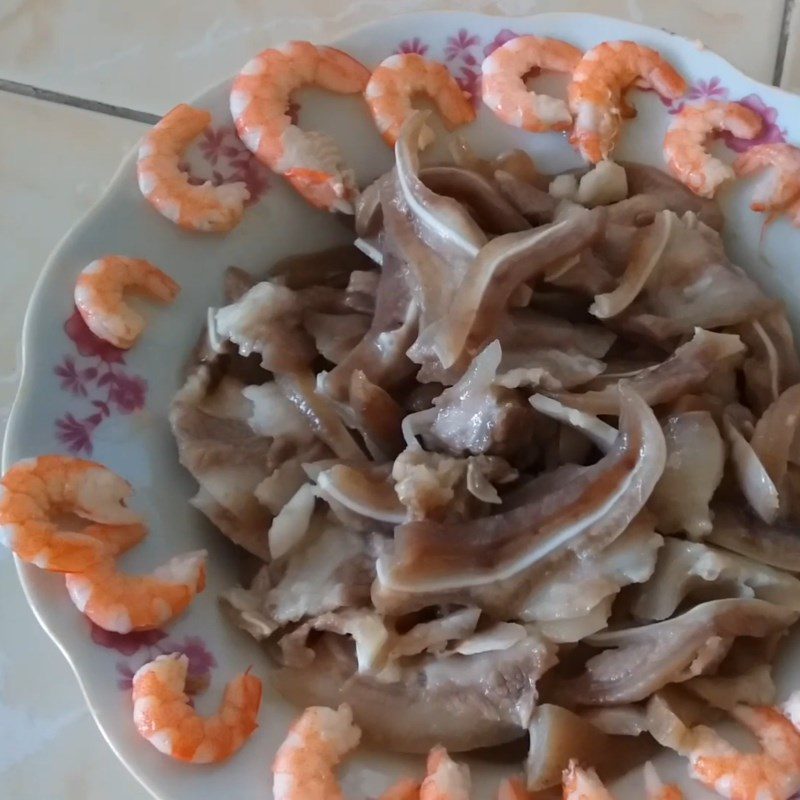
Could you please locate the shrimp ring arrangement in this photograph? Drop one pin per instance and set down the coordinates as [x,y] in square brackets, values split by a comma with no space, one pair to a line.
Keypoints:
[522,460]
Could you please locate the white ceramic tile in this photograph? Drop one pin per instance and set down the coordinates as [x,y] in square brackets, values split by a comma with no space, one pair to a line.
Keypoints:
[790,77]
[151,54]
[54,163]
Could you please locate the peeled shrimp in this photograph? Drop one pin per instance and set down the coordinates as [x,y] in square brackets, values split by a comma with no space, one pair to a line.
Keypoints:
[99,291]
[773,774]
[599,83]
[684,144]
[503,87]
[124,603]
[35,490]
[782,192]
[259,102]
[163,716]
[206,207]
[445,780]
[398,78]
[305,763]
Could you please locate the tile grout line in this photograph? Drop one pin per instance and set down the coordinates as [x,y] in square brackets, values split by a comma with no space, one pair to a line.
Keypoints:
[37,93]
[783,42]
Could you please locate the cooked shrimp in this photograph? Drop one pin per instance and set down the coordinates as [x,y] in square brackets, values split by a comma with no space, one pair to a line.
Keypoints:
[445,780]
[583,784]
[317,741]
[206,207]
[124,603]
[684,145]
[398,78]
[599,83]
[404,789]
[162,714]
[773,774]
[34,491]
[99,290]
[310,161]
[781,192]
[503,86]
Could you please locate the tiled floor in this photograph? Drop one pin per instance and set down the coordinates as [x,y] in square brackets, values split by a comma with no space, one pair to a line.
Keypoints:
[54,163]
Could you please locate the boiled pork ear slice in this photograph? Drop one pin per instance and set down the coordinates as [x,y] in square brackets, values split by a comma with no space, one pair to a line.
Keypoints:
[688,368]
[694,468]
[636,662]
[737,529]
[686,569]
[461,702]
[585,513]
[558,736]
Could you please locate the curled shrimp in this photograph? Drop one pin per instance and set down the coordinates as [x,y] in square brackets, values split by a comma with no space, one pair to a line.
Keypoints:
[206,207]
[445,780]
[773,774]
[503,87]
[599,82]
[163,716]
[259,101]
[35,491]
[684,145]
[398,78]
[99,291]
[304,766]
[123,603]
[781,192]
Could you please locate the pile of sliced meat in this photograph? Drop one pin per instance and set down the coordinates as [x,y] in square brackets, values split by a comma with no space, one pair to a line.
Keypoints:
[517,459]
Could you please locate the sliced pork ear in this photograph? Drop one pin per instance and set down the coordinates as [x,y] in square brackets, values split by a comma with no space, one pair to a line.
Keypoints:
[636,662]
[237,282]
[441,222]
[584,515]
[534,204]
[461,702]
[477,416]
[361,290]
[676,297]
[558,736]
[737,529]
[434,636]
[491,210]
[647,180]
[753,688]
[381,354]
[691,570]
[574,599]
[525,327]
[368,215]
[267,320]
[686,369]
[694,468]
[226,457]
[772,364]
[600,433]
[376,415]
[775,432]
[330,268]
[335,335]
[503,264]
[367,492]
[754,481]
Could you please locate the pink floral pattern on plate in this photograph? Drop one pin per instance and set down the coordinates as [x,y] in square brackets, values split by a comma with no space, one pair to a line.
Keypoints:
[96,375]
[225,159]
[140,647]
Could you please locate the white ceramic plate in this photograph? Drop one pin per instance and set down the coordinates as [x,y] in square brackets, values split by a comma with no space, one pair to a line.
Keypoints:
[81,396]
